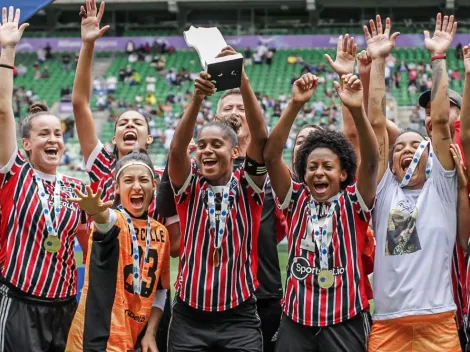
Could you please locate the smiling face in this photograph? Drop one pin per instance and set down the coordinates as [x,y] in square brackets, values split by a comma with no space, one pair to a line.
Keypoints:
[215,154]
[131,132]
[323,174]
[45,143]
[402,156]
[136,187]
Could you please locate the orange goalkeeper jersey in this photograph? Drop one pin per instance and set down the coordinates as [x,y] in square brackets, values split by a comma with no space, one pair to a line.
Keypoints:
[110,316]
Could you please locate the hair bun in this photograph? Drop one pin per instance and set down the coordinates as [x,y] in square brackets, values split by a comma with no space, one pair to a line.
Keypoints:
[38,107]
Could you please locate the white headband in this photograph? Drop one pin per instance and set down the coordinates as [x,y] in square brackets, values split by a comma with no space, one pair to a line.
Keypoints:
[136,163]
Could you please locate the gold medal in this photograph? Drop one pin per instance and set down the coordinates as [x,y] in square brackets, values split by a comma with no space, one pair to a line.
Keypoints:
[326,278]
[215,257]
[52,244]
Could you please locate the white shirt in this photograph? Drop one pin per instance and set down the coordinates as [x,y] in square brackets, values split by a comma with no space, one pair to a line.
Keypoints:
[413,276]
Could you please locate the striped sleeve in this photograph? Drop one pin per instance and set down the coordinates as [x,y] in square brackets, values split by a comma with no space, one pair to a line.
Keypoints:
[99,165]
[12,167]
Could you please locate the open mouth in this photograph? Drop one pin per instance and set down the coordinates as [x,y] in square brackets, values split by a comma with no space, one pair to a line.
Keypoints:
[320,187]
[137,201]
[209,162]
[130,137]
[405,163]
[52,151]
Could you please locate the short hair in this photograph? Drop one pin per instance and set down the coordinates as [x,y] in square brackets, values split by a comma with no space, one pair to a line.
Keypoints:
[226,128]
[392,149]
[234,91]
[337,143]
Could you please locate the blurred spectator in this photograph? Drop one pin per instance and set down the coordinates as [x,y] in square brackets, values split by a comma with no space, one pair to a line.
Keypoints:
[455,75]
[168,137]
[45,73]
[66,59]
[135,79]
[269,57]
[458,51]
[97,86]
[150,80]
[248,57]
[41,55]
[111,84]
[48,50]
[122,74]
[130,47]
[150,99]
[22,70]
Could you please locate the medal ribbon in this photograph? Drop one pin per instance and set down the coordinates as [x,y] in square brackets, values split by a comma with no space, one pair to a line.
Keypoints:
[223,213]
[52,228]
[135,249]
[414,163]
[313,226]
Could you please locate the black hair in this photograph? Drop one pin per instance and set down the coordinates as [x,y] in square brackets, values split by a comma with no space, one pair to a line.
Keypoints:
[147,120]
[392,149]
[39,108]
[137,154]
[337,143]
[227,129]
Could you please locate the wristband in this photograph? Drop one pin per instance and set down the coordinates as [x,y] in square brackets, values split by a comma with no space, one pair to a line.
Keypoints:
[7,66]
[254,168]
[438,57]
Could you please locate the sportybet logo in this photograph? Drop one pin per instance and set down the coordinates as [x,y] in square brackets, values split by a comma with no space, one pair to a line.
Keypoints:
[301,268]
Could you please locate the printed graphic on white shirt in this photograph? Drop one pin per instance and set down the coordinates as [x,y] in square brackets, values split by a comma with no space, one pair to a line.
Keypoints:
[402,234]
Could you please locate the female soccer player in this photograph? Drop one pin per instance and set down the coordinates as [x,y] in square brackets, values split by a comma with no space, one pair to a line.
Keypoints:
[38,278]
[415,217]
[219,210]
[325,294]
[132,129]
[128,264]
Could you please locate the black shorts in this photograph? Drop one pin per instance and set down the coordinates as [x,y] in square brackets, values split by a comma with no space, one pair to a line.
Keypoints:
[33,325]
[349,336]
[270,312]
[234,330]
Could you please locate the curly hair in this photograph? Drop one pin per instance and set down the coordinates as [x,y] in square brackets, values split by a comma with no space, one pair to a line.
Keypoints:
[337,143]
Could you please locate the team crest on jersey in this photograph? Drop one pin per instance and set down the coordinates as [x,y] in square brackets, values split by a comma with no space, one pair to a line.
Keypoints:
[301,268]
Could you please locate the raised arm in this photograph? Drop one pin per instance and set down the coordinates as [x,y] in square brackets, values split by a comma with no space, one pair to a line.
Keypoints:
[351,95]
[91,31]
[379,46]
[344,64]
[254,119]
[179,162]
[10,35]
[279,173]
[440,105]
[463,205]
[364,64]
[465,113]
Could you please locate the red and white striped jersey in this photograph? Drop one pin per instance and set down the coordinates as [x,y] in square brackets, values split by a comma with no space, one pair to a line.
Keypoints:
[202,284]
[305,301]
[25,262]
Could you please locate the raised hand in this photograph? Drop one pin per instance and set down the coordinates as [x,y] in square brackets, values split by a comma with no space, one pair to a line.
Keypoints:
[10,33]
[351,92]
[345,55]
[466,58]
[459,165]
[90,202]
[91,19]
[304,88]
[380,43]
[364,62]
[203,87]
[444,34]
[227,51]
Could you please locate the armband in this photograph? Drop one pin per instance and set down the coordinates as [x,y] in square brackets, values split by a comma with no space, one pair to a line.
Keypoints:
[254,168]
